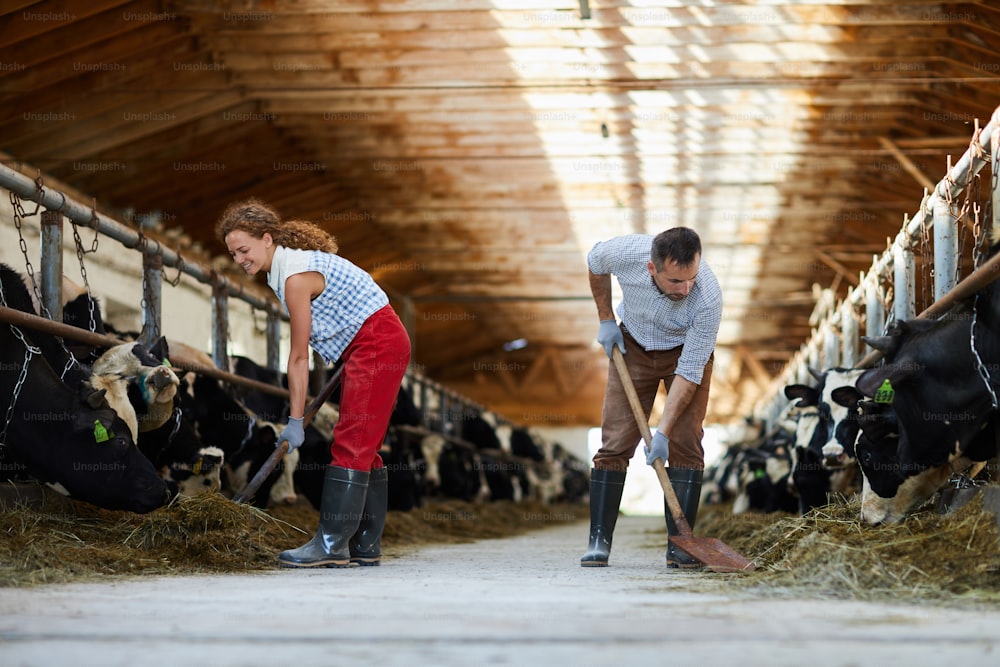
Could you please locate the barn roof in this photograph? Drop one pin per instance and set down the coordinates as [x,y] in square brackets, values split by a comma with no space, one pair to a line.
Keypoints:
[468,154]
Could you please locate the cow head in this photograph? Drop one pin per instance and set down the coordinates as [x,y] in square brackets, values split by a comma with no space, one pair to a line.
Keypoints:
[102,464]
[202,474]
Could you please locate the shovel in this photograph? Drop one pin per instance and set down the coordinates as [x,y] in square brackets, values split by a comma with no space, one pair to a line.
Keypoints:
[713,552]
[282,448]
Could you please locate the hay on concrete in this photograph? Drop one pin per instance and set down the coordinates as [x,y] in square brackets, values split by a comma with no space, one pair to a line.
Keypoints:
[66,540]
[831,552]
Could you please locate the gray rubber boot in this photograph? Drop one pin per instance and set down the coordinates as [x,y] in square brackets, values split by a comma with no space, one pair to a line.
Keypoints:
[606,488]
[340,511]
[687,487]
[366,545]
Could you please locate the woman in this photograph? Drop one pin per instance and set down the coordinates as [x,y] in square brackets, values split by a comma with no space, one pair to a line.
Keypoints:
[339,310]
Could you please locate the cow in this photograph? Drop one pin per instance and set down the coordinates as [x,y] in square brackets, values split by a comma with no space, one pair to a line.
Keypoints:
[825,433]
[144,390]
[139,385]
[244,440]
[497,473]
[932,411]
[65,434]
[762,477]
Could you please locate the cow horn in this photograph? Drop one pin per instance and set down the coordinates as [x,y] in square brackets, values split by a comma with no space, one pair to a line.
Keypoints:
[880,343]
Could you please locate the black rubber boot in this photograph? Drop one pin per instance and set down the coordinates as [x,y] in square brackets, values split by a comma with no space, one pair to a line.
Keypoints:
[687,487]
[340,511]
[366,545]
[605,497]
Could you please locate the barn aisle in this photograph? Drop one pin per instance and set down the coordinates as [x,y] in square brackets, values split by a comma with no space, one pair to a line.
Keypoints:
[520,601]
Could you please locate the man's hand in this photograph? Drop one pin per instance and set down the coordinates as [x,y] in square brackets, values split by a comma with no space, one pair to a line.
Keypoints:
[610,335]
[658,449]
[293,433]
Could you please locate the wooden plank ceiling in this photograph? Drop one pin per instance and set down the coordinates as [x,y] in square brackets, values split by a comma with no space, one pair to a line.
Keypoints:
[469,152]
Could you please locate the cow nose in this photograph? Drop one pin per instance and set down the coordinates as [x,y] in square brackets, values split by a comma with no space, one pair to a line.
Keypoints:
[161,377]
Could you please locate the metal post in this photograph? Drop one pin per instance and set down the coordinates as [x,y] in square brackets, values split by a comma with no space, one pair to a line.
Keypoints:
[52,264]
[152,281]
[424,406]
[903,268]
[813,361]
[945,249]
[831,347]
[273,340]
[874,315]
[443,409]
[220,326]
[849,340]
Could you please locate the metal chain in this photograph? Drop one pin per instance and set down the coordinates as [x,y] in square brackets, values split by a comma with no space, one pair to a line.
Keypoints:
[29,351]
[984,372]
[180,269]
[144,303]
[256,326]
[80,252]
[19,215]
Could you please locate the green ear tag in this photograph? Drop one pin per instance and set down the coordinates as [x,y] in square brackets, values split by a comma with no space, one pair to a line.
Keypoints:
[885,393]
[166,362]
[100,433]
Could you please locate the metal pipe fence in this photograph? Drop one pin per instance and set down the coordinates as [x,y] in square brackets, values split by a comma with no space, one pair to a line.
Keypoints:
[887,291]
[442,407]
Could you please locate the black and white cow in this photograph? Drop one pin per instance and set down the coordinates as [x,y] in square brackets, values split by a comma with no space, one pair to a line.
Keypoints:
[933,412]
[825,434]
[762,477]
[245,441]
[66,434]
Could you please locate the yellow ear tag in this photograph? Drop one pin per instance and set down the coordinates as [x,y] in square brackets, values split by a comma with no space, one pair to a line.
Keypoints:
[885,393]
[100,433]
[197,466]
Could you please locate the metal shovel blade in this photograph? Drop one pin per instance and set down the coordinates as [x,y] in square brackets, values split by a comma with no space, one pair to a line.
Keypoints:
[713,552]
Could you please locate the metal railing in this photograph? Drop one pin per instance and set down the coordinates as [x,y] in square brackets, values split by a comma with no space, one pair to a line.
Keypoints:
[836,338]
[442,407]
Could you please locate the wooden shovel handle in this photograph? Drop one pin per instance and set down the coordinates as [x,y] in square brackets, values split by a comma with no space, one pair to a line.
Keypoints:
[643,423]
[279,452]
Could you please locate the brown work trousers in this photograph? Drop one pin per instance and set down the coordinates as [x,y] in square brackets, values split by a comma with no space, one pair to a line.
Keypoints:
[619,433]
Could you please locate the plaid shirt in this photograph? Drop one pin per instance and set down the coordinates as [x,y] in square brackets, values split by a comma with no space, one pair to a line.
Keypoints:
[349,298]
[653,320]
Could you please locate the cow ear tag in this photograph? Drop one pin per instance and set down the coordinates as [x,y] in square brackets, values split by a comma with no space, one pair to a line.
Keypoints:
[100,432]
[885,393]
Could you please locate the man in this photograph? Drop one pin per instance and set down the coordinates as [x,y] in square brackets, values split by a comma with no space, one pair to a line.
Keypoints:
[670,313]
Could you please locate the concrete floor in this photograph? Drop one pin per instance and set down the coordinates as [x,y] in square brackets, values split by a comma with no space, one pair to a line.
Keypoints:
[516,601]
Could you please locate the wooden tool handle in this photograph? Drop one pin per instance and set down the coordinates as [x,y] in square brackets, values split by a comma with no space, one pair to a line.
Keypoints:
[282,448]
[641,421]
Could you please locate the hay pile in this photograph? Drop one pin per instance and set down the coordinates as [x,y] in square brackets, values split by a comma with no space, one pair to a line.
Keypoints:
[830,552]
[66,540]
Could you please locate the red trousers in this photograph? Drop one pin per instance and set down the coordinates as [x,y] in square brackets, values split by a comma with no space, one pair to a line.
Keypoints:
[374,365]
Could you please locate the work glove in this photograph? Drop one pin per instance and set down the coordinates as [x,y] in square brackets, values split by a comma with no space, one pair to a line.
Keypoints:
[658,449]
[610,335]
[293,433]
